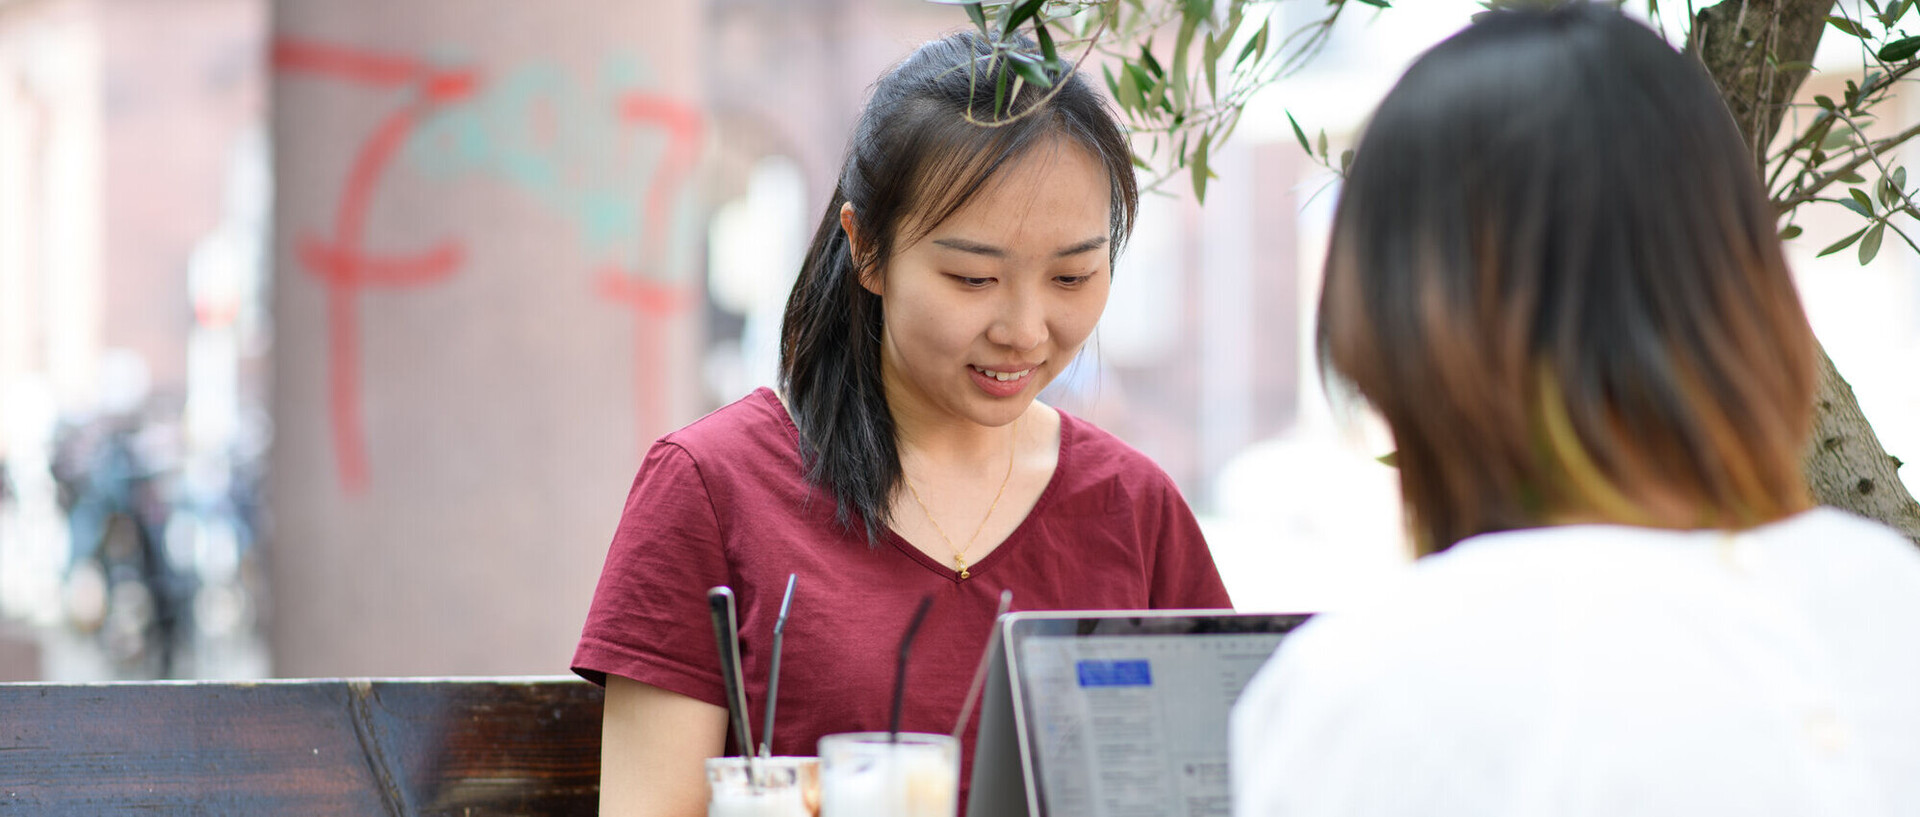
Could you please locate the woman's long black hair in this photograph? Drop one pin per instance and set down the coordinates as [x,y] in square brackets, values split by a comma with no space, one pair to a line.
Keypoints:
[914,159]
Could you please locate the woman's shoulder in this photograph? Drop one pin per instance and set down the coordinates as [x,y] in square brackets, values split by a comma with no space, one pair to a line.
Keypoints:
[757,421]
[1093,454]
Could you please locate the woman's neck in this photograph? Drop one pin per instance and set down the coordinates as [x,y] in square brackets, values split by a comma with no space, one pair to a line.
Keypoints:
[948,440]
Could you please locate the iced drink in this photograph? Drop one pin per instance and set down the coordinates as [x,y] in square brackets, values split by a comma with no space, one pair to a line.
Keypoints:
[864,774]
[763,787]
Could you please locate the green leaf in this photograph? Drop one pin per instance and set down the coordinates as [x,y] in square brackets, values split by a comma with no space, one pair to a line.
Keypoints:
[1210,57]
[1849,27]
[1796,65]
[1870,246]
[1842,243]
[1128,92]
[1837,139]
[1900,178]
[1256,46]
[1145,84]
[1378,3]
[978,17]
[1901,49]
[1200,171]
[1323,143]
[1791,232]
[1047,48]
[1029,69]
[1885,193]
[1391,459]
[1181,45]
[1849,177]
[1023,11]
[1823,101]
[999,87]
[1148,62]
[1299,134]
[1861,197]
[1346,160]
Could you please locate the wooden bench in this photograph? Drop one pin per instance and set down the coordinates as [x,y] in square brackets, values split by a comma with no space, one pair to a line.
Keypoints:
[465,747]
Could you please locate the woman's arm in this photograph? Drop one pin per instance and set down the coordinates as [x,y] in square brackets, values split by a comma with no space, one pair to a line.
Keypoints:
[653,750]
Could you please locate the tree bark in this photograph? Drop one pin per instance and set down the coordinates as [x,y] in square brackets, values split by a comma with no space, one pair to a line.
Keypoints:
[1847,468]
[1845,465]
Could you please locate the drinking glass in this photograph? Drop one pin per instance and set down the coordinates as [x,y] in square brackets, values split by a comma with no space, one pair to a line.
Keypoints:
[868,774]
[763,787]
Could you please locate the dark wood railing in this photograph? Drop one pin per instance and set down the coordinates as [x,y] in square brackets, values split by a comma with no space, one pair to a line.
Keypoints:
[466,747]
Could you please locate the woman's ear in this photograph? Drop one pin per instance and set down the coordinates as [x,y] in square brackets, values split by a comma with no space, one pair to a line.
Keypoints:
[867,272]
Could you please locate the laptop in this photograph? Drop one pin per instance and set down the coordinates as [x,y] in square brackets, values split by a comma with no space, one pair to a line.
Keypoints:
[1115,713]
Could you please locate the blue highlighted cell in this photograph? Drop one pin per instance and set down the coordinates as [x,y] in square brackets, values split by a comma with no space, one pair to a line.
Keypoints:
[1134,673]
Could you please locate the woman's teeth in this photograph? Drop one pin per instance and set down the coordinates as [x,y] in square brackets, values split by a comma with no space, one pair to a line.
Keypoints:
[1003,376]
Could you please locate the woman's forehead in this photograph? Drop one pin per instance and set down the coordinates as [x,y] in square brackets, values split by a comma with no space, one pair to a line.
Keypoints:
[1048,194]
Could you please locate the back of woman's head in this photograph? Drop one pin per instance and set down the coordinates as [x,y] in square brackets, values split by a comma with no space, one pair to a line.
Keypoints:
[1555,273]
[936,131]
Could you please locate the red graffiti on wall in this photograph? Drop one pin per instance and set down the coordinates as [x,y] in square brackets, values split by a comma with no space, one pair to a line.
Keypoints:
[652,300]
[341,260]
[346,267]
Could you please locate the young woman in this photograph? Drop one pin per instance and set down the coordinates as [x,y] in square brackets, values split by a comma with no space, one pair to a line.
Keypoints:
[956,271]
[1554,272]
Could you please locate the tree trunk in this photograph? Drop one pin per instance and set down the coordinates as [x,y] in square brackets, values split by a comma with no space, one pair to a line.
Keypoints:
[1845,465]
[1847,468]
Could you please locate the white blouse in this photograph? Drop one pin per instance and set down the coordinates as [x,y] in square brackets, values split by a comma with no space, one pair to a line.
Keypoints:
[1605,670]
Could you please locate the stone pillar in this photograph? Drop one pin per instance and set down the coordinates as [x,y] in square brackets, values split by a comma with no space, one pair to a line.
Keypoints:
[485,306]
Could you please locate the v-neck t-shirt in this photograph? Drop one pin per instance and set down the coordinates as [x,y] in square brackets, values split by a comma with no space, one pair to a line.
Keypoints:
[725,501]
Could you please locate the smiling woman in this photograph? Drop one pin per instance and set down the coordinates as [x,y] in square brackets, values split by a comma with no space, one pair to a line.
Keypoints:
[956,271]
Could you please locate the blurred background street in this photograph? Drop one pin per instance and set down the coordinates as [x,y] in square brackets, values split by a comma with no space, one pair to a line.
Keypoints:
[332,333]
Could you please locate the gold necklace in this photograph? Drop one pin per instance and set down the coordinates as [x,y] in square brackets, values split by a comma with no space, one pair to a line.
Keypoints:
[960,554]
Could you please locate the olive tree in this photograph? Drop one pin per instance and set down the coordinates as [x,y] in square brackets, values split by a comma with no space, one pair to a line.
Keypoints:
[1182,71]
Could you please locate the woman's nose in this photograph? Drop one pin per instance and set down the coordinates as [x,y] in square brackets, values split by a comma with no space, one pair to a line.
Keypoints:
[1021,323]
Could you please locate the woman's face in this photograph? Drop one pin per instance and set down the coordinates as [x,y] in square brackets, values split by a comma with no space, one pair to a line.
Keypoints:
[992,304]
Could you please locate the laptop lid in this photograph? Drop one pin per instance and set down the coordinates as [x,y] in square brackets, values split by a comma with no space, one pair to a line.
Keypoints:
[1114,713]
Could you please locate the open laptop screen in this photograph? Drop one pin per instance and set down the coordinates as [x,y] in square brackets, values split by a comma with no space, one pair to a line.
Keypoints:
[1118,714]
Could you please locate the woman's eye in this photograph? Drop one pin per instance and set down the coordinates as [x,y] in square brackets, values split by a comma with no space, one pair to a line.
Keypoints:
[971,281]
[1073,280]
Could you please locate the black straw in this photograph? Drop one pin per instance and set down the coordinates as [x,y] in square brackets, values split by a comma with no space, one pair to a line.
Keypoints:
[773,674]
[726,636]
[900,671]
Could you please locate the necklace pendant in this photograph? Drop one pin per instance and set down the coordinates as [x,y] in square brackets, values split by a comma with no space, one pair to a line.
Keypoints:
[964,574]
[960,564]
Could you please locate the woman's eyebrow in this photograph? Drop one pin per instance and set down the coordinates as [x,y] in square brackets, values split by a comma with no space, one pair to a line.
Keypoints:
[989,250]
[1088,245]
[973,247]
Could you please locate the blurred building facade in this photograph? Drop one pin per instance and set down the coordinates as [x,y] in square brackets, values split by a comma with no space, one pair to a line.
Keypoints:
[463,260]
[512,246]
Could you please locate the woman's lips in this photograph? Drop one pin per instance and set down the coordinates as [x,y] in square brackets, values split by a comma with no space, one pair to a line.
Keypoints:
[1001,382]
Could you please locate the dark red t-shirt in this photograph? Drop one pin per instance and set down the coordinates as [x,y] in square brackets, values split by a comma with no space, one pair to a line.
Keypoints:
[725,501]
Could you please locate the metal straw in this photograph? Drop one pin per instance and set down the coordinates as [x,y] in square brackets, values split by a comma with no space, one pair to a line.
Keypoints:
[980,670]
[773,674]
[900,670]
[726,634]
